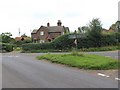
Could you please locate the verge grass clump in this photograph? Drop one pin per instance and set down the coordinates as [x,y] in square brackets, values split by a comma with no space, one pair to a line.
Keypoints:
[82,61]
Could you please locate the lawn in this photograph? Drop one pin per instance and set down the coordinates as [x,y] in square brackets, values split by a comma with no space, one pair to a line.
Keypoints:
[82,61]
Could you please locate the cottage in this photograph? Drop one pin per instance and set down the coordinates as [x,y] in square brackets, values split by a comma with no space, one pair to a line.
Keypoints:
[48,33]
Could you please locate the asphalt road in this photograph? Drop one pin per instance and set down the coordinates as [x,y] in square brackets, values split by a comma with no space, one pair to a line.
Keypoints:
[112,54]
[24,71]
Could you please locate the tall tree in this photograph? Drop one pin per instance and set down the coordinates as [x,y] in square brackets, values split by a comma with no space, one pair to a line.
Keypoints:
[95,32]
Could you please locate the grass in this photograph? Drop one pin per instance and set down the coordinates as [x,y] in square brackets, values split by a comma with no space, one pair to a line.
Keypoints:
[82,61]
[17,48]
[105,48]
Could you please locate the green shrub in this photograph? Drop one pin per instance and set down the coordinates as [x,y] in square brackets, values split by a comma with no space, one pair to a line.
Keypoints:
[5,47]
[63,42]
[109,39]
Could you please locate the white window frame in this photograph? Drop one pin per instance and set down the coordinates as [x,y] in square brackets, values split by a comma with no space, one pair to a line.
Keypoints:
[42,41]
[41,33]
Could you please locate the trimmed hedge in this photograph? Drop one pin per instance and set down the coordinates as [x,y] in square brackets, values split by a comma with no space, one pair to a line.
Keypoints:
[5,47]
[36,46]
[64,43]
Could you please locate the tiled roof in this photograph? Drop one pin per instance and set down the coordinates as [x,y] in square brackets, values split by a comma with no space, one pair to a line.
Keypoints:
[55,29]
[52,29]
[34,31]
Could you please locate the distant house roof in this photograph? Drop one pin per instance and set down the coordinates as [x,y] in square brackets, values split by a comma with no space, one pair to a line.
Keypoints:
[34,31]
[52,29]
[105,30]
[55,28]
[18,38]
[24,35]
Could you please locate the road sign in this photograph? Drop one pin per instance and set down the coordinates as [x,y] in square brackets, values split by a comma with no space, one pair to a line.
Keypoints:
[74,36]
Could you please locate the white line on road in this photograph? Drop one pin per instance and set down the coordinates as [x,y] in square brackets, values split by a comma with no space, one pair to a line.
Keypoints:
[103,75]
[100,74]
[117,79]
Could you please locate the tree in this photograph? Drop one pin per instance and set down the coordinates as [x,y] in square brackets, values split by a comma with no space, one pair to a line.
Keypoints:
[118,26]
[6,37]
[95,32]
[83,29]
[115,27]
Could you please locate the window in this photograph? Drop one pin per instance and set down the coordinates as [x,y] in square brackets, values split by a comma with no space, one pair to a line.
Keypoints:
[42,41]
[63,33]
[41,33]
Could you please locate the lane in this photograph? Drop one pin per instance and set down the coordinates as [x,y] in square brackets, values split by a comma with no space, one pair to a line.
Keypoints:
[112,54]
[24,71]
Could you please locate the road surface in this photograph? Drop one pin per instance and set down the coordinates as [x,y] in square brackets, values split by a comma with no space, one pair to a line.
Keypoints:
[21,70]
[112,54]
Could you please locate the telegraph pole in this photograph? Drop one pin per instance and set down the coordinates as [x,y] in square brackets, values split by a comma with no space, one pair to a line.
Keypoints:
[19,31]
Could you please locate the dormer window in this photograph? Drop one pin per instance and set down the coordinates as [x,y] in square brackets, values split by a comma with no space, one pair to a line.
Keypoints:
[41,33]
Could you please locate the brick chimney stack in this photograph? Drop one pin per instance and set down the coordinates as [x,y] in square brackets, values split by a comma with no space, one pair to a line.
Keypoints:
[59,23]
[48,24]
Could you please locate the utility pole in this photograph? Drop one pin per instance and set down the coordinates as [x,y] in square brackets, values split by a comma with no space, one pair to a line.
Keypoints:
[19,31]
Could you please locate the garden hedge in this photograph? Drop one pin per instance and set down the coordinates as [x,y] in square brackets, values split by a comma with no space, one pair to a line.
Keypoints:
[64,43]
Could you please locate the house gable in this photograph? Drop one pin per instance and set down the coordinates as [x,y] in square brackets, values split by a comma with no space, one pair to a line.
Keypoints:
[48,33]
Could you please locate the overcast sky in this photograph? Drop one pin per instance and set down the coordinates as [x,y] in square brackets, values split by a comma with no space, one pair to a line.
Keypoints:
[31,14]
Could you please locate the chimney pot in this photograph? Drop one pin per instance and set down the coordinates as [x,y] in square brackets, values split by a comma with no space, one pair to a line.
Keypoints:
[48,24]
[59,23]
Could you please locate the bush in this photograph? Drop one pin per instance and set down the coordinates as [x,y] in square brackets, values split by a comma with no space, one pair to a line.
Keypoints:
[63,42]
[109,39]
[4,47]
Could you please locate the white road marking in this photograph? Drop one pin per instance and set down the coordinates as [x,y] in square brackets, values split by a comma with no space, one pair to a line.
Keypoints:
[117,79]
[100,74]
[107,76]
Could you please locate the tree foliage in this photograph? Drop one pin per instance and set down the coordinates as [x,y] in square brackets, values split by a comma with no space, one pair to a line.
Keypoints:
[95,32]
[6,37]
[83,29]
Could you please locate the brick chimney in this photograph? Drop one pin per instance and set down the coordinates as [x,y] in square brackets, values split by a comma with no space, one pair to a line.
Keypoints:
[59,23]
[48,24]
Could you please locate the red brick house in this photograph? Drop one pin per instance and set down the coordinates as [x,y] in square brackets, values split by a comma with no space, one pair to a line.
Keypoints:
[48,33]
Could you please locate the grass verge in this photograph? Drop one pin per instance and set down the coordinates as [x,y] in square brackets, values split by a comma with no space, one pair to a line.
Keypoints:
[82,61]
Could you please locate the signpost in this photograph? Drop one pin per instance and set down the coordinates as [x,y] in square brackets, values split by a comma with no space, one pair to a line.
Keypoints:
[75,36]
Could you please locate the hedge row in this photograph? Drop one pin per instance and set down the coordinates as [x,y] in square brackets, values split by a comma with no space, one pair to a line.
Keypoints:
[36,46]
[65,43]
[4,47]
